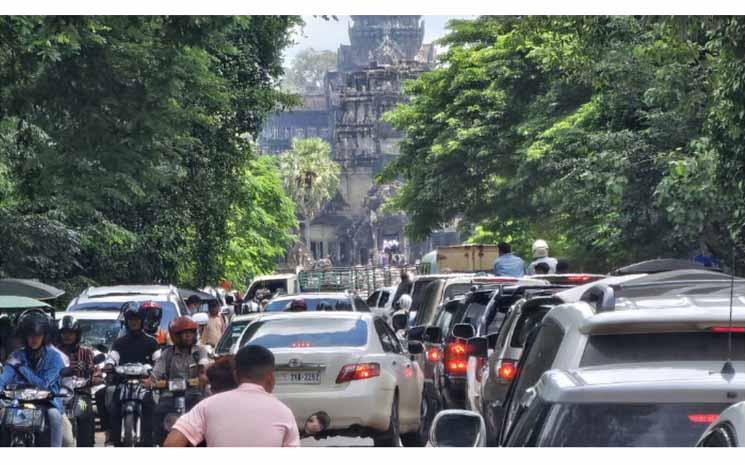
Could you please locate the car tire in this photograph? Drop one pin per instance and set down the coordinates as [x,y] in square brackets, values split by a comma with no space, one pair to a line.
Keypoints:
[391,437]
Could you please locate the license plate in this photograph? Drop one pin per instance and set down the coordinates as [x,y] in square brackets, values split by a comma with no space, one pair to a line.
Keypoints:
[298,377]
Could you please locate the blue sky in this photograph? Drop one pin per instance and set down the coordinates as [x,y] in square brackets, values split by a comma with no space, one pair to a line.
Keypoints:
[327,35]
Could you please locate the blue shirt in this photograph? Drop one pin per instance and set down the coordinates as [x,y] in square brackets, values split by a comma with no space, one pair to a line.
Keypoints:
[46,376]
[509,265]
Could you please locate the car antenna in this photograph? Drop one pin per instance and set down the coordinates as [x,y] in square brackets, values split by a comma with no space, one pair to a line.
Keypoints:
[728,370]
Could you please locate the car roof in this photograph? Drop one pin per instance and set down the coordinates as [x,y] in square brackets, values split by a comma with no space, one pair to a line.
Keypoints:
[651,384]
[128,289]
[91,315]
[270,277]
[575,293]
[314,315]
[120,298]
[243,318]
[314,295]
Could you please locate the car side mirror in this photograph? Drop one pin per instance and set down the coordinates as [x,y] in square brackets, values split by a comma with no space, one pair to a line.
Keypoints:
[416,347]
[491,340]
[477,346]
[400,321]
[417,333]
[458,428]
[100,358]
[464,331]
[433,335]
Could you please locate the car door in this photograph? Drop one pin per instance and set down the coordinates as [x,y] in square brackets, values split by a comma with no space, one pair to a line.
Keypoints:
[406,372]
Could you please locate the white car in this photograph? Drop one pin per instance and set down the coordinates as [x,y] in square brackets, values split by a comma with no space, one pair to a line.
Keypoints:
[381,302]
[728,430]
[347,364]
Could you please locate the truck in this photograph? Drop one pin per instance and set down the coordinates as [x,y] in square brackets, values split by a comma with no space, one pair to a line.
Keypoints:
[465,258]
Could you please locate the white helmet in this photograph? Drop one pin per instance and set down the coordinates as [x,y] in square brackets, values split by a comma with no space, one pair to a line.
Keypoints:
[540,249]
[404,302]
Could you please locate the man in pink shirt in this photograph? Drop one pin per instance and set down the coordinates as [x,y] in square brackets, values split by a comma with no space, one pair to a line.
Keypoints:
[248,416]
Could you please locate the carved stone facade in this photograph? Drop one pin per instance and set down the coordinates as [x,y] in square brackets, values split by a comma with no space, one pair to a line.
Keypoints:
[384,52]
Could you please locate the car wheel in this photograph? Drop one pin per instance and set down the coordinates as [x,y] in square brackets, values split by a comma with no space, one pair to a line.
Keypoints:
[391,437]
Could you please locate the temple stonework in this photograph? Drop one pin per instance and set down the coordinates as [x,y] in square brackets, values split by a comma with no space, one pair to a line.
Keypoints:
[384,52]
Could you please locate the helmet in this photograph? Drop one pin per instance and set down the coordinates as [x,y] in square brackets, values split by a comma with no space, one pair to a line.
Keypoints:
[34,321]
[298,305]
[70,323]
[404,302]
[540,249]
[152,314]
[181,324]
[132,310]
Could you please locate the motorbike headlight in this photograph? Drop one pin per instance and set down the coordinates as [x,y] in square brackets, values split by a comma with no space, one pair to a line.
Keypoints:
[177,385]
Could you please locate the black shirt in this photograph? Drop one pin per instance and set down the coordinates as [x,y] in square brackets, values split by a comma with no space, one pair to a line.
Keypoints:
[137,348]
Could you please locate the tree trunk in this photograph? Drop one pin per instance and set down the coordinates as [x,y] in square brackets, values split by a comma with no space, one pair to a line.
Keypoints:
[307,234]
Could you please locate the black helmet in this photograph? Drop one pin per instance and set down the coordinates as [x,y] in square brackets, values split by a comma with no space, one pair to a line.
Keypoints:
[152,314]
[34,321]
[70,323]
[132,310]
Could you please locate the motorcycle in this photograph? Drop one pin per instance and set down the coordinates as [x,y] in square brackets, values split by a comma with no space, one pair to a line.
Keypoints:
[176,389]
[132,393]
[24,416]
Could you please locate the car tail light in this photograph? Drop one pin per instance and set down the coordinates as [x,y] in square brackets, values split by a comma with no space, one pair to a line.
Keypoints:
[703,417]
[434,354]
[507,370]
[456,358]
[357,371]
[300,345]
[579,278]
[728,329]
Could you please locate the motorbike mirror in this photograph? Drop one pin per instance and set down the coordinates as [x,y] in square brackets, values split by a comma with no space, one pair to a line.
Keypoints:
[415,347]
[400,321]
[477,346]
[433,334]
[458,428]
[317,423]
[464,331]
[100,358]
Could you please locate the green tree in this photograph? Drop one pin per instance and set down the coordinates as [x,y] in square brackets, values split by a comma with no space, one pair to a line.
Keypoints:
[310,177]
[308,70]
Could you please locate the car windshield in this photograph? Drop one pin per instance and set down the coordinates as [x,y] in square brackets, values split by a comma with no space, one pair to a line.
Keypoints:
[307,332]
[661,347]
[170,312]
[231,336]
[313,303]
[96,333]
[627,425]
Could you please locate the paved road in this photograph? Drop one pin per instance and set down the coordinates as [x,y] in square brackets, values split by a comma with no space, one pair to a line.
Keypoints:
[307,442]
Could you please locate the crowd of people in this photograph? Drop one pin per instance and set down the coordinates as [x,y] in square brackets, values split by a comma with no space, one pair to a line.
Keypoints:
[509,264]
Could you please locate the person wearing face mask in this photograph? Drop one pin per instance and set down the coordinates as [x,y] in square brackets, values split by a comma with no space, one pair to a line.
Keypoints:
[247,416]
[184,360]
[38,364]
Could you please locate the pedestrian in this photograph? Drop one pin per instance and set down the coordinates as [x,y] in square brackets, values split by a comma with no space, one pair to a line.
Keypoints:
[215,325]
[542,268]
[540,255]
[248,416]
[508,264]
[562,266]
[404,287]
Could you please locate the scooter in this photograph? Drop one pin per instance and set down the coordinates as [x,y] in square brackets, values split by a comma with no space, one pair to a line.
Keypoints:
[177,388]
[132,394]
[24,420]
[78,399]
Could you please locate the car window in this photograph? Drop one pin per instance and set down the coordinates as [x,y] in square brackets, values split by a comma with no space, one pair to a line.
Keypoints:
[627,425]
[306,332]
[384,296]
[313,303]
[509,322]
[360,305]
[529,319]
[170,311]
[372,301]
[721,436]
[660,347]
[419,294]
[426,311]
[232,334]
[97,333]
[388,342]
[529,425]
[456,289]
[446,316]
[393,338]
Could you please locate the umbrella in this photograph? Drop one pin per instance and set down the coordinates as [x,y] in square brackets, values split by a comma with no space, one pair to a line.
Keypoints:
[661,265]
[28,288]
[14,302]
[203,296]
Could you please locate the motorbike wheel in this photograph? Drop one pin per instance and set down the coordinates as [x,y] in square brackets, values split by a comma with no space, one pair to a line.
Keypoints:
[20,440]
[128,428]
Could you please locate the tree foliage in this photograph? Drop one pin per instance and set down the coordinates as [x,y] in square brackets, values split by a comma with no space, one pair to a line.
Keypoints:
[126,141]
[308,70]
[615,138]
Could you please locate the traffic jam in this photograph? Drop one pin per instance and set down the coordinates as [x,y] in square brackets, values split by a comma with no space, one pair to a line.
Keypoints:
[439,355]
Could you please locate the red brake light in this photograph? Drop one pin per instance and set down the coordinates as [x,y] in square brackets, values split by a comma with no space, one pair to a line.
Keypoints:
[456,362]
[456,367]
[358,371]
[507,370]
[727,329]
[300,345]
[579,278]
[434,354]
[456,349]
[703,417]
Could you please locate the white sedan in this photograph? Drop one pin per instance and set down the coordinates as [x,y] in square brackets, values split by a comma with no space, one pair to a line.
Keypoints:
[347,365]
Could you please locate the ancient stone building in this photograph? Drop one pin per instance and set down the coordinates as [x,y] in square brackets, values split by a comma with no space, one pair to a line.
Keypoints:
[384,51]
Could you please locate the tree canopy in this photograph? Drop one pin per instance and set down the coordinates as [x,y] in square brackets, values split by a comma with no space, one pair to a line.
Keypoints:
[615,138]
[308,70]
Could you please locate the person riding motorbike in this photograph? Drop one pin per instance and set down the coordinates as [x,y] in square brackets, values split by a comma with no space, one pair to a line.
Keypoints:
[37,364]
[540,255]
[82,365]
[151,325]
[184,360]
[136,346]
